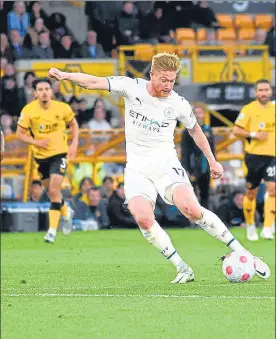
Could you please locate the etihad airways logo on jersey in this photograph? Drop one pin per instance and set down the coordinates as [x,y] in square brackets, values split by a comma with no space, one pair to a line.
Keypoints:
[146,123]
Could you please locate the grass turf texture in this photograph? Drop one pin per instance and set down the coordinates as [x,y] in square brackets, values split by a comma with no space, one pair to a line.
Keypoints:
[113,284]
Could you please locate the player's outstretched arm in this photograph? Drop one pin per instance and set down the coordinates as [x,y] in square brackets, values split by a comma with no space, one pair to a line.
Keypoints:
[202,142]
[81,79]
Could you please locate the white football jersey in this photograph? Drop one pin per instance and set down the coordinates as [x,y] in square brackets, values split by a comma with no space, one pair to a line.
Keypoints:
[150,121]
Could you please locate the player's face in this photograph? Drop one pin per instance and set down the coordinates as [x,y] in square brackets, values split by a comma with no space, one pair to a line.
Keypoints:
[43,92]
[263,93]
[163,82]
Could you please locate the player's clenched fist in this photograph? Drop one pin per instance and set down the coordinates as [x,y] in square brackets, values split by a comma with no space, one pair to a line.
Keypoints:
[55,73]
[216,170]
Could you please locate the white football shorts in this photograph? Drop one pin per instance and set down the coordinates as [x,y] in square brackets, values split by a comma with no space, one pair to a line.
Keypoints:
[149,183]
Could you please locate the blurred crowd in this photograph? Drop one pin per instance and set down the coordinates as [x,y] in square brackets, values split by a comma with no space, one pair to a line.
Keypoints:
[127,23]
[28,32]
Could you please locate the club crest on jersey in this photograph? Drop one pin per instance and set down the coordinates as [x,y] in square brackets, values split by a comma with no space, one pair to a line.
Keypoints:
[262,125]
[168,112]
[241,116]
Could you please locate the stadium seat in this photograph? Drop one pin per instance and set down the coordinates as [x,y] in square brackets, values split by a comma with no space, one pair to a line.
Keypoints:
[243,21]
[225,20]
[246,34]
[185,48]
[263,21]
[184,34]
[226,36]
[160,48]
[201,35]
[144,52]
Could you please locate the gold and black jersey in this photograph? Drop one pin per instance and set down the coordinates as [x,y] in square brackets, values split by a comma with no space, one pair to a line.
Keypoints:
[47,123]
[255,117]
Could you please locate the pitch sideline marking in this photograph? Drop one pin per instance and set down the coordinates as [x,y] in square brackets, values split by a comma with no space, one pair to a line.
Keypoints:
[78,295]
[89,287]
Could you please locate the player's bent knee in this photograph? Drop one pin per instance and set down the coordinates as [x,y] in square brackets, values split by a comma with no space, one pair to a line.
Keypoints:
[54,192]
[193,213]
[145,222]
[185,200]
[142,211]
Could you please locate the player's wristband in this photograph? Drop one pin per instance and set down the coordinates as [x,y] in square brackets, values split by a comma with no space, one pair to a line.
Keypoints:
[253,135]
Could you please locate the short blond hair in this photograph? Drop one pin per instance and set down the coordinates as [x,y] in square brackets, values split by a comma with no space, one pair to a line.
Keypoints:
[166,62]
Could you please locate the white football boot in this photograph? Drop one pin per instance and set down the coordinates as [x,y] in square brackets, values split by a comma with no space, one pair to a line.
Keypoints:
[184,275]
[66,222]
[251,233]
[267,233]
[261,268]
[49,238]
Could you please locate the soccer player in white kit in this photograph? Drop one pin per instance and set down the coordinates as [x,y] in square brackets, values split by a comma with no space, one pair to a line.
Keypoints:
[152,109]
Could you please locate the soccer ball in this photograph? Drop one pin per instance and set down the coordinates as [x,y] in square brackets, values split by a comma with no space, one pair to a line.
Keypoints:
[238,267]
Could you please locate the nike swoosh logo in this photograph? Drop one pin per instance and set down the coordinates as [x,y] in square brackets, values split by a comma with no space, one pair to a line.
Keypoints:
[263,274]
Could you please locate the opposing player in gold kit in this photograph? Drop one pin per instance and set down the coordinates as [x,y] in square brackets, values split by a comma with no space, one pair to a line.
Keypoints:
[257,122]
[42,124]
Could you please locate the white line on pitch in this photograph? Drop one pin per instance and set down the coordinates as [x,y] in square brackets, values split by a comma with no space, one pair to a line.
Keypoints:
[33,288]
[79,295]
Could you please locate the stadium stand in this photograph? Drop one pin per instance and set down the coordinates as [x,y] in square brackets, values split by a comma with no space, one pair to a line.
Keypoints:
[225,20]
[184,34]
[243,21]
[263,21]
[227,36]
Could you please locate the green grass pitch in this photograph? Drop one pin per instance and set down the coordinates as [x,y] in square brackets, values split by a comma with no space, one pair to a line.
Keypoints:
[113,284]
